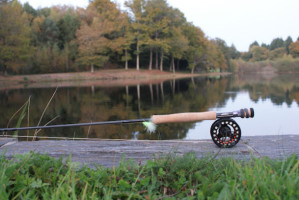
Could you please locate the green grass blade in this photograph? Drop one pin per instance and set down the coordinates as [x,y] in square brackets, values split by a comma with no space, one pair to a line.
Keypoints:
[23,114]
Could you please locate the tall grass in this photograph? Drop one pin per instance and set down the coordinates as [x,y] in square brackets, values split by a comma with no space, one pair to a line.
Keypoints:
[23,109]
[35,176]
[26,108]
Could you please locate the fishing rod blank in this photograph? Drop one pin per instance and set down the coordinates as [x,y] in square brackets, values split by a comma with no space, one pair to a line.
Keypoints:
[74,125]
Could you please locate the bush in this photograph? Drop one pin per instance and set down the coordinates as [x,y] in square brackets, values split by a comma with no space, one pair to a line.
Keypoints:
[286,64]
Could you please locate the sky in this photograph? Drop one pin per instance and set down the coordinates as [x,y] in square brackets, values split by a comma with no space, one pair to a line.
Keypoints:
[237,22]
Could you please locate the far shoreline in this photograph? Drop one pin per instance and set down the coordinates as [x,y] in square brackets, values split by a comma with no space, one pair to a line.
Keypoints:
[105,78]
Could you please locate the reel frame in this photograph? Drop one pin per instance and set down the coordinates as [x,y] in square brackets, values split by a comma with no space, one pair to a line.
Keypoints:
[225,131]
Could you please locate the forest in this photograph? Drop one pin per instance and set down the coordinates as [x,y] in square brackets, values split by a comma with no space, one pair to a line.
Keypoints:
[147,34]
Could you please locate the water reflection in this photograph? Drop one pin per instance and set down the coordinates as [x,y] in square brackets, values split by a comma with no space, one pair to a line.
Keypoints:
[97,103]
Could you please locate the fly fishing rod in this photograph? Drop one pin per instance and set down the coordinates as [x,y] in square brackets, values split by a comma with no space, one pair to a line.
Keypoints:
[74,125]
[225,132]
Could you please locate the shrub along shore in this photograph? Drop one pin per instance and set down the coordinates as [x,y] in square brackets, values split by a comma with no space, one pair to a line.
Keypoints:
[34,176]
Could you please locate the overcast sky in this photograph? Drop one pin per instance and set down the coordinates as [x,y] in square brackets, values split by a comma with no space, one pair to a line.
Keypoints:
[238,22]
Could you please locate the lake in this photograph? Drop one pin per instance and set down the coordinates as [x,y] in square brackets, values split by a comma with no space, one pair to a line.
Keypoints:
[275,100]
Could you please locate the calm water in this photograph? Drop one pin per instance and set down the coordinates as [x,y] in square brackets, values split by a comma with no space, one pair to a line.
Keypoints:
[275,100]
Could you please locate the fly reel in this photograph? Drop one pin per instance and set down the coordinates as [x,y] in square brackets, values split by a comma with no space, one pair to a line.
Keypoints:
[226,132]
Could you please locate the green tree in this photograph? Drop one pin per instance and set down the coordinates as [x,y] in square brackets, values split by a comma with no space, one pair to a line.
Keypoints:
[196,45]
[277,53]
[259,53]
[287,43]
[265,45]
[102,35]
[214,59]
[294,49]
[32,13]
[276,43]
[246,56]
[93,45]
[157,28]
[178,45]
[125,41]
[118,34]
[228,52]
[138,25]
[177,42]
[46,31]
[255,43]
[68,25]
[51,37]
[221,44]
[233,52]
[14,37]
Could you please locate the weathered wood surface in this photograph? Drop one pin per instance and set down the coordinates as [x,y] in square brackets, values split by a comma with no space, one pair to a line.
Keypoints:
[109,152]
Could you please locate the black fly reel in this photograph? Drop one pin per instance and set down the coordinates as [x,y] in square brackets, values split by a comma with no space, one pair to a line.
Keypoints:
[225,132]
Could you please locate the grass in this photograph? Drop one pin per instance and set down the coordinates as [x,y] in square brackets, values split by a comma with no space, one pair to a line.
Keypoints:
[26,108]
[34,176]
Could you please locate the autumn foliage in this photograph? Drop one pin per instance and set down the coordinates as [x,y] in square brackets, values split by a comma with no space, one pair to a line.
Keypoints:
[147,34]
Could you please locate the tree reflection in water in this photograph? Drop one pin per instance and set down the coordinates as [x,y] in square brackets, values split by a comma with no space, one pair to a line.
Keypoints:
[96,103]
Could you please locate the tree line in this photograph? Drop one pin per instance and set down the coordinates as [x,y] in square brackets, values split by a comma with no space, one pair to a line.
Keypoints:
[148,34]
[278,48]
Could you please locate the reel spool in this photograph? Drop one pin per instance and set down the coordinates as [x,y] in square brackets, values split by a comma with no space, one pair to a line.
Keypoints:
[225,132]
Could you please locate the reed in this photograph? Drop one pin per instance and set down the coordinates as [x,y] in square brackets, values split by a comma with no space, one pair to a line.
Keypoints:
[25,108]
[21,110]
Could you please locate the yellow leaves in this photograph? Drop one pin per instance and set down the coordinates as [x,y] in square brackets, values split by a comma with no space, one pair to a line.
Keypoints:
[14,34]
[103,30]
[294,49]
[259,53]
[37,22]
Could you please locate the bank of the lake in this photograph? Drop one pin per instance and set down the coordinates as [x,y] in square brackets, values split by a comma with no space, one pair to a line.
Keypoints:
[113,77]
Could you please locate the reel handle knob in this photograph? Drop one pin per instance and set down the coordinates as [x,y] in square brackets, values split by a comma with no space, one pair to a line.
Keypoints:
[247,113]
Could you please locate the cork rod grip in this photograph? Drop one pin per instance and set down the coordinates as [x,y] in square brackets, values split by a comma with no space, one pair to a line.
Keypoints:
[183,117]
